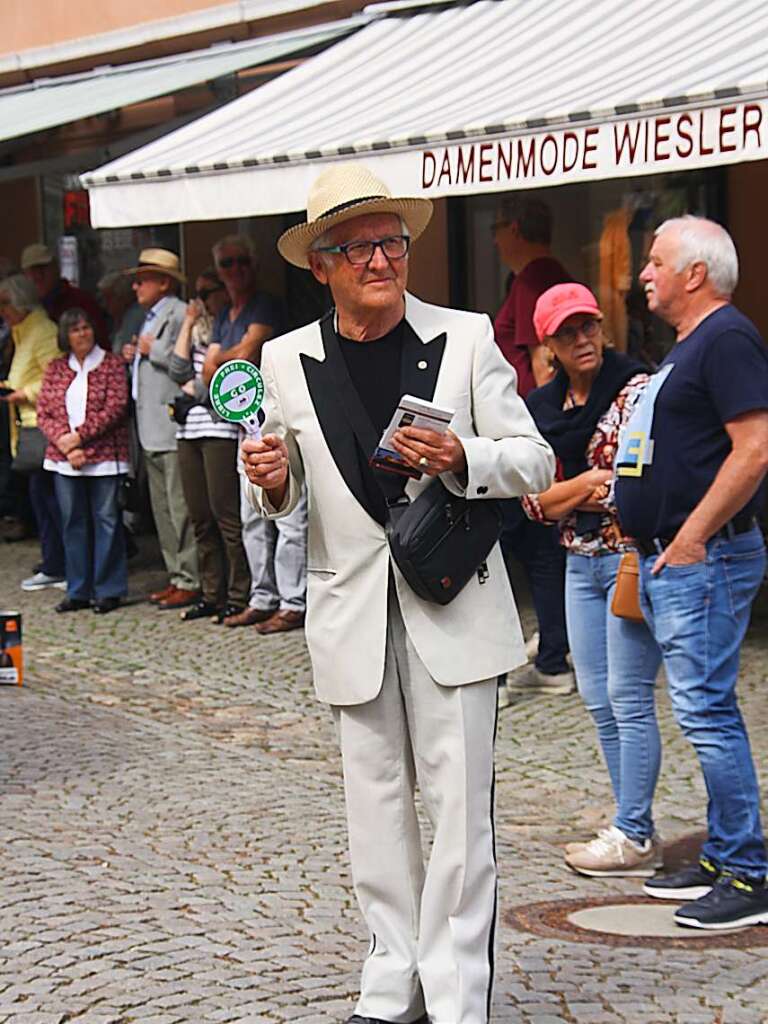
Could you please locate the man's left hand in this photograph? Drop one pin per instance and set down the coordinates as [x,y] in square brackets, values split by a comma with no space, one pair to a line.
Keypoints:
[145,344]
[680,552]
[430,452]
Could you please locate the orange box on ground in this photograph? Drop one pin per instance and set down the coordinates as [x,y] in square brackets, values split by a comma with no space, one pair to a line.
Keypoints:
[11,651]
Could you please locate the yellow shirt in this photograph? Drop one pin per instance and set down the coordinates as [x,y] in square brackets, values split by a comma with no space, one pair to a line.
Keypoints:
[34,346]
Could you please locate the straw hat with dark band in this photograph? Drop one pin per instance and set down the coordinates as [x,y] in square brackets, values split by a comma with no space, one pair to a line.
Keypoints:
[341,193]
[160,261]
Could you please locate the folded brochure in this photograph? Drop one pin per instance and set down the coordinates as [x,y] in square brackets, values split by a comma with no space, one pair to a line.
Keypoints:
[410,412]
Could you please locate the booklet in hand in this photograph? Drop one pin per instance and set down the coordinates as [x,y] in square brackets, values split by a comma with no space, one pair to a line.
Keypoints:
[410,412]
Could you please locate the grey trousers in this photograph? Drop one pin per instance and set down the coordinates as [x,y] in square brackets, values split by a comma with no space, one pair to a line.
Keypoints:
[432,928]
[174,530]
[276,550]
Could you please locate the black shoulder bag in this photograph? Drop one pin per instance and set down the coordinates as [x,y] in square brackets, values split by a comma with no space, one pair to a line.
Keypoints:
[438,541]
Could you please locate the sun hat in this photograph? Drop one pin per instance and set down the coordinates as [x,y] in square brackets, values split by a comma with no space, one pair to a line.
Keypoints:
[161,261]
[558,303]
[35,255]
[340,193]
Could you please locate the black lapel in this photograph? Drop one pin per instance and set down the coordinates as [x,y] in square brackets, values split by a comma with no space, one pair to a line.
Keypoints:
[420,363]
[331,390]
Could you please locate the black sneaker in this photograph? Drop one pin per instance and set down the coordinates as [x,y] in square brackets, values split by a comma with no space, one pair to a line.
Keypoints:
[730,903]
[689,883]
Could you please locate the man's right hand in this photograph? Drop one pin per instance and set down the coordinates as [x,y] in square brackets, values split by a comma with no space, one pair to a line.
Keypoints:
[266,462]
[129,351]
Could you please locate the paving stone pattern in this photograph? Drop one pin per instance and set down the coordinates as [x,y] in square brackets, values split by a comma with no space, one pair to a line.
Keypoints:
[173,842]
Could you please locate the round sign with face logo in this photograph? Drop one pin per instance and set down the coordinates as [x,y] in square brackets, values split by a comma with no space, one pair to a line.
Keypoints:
[237,393]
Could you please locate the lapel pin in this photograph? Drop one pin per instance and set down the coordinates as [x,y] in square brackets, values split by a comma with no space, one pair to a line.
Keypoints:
[422,364]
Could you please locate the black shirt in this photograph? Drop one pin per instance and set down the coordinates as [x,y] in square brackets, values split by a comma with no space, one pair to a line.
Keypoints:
[374,367]
[676,439]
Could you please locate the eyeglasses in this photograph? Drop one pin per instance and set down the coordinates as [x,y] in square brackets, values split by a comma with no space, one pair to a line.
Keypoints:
[203,293]
[568,335]
[230,261]
[498,225]
[395,247]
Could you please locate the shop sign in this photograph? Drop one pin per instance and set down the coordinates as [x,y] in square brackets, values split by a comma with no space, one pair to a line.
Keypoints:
[661,142]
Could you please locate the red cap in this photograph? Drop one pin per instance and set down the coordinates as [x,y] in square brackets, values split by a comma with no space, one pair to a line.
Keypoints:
[558,303]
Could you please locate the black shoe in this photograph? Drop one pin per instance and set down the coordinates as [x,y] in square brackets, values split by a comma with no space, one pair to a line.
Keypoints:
[226,611]
[106,604]
[200,610]
[730,903]
[72,604]
[357,1019]
[689,883]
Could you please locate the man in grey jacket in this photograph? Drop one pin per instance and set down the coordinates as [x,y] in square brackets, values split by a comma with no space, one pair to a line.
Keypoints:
[156,281]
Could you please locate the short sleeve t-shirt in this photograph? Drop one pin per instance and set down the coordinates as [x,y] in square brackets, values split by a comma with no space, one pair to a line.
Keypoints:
[714,375]
[262,308]
[513,326]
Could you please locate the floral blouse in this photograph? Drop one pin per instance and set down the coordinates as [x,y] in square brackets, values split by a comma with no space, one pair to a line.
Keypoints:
[601,450]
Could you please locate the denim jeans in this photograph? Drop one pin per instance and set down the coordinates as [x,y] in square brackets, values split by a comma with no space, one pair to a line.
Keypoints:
[537,547]
[699,614]
[93,536]
[616,662]
[42,497]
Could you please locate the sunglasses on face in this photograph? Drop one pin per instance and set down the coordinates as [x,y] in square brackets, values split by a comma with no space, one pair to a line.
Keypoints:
[230,261]
[568,335]
[203,293]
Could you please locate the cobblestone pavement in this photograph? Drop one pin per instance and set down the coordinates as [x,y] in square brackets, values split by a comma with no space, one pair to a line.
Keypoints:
[173,843]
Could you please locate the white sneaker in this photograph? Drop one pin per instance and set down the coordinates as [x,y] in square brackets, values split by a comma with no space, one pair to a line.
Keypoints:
[656,842]
[612,854]
[530,680]
[532,646]
[41,580]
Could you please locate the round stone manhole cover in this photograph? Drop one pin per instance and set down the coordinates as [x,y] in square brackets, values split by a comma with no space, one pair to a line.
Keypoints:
[624,921]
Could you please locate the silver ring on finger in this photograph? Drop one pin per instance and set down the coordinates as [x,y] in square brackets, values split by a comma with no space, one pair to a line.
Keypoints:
[423,462]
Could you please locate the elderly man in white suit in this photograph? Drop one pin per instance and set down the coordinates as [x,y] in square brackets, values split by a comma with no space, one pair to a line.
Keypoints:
[412,684]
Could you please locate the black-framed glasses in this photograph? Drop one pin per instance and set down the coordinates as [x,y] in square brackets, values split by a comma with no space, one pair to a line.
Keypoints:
[568,335]
[394,247]
[203,293]
[230,261]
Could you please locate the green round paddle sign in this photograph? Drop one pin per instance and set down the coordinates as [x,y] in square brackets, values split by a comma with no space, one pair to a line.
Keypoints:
[237,393]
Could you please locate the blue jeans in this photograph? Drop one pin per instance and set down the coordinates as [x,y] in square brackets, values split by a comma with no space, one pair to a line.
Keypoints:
[94,540]
[699,614]
[616,662]
[42,497]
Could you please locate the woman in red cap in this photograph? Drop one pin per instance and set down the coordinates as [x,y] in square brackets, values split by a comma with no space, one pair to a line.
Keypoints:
[580,413]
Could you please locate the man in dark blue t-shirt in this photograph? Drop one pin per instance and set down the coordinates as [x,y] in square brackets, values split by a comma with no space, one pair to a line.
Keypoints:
[690,468]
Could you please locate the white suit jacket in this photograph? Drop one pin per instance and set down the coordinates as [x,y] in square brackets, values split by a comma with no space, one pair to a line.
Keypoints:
[450,357]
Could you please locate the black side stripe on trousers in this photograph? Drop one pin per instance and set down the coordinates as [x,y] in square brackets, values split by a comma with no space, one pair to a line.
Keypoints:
[492,937]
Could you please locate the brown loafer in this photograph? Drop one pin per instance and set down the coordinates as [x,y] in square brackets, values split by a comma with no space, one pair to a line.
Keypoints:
[281,622]
[249,617]
[180,598]
[160,595]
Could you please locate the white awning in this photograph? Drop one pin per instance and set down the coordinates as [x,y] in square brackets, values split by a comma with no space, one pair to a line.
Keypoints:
[489,96]
[46,103]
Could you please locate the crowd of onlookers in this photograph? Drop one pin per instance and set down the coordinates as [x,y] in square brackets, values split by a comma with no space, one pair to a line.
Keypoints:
[106,399]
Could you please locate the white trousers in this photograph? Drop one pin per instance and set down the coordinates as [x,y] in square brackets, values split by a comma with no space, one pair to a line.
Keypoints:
[276,550]
[432,929]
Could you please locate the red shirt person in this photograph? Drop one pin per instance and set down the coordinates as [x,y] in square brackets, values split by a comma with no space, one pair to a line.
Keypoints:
[522,233]
[57,294]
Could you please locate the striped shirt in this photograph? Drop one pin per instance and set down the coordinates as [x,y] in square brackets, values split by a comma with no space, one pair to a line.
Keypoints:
[201,422]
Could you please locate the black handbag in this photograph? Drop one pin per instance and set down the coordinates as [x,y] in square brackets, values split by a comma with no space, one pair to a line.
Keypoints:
[439,540]
[178,409]
[30,450]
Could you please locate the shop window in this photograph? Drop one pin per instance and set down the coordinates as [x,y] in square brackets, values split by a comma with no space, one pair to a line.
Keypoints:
[602,232]
[86,254]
